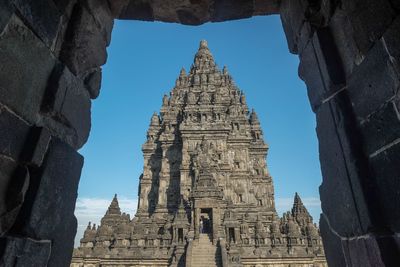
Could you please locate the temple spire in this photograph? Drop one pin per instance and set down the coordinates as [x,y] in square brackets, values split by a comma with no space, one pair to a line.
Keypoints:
[114,209]
[182,72]
[203,60]
[155,120]
[254,118]
[299,211]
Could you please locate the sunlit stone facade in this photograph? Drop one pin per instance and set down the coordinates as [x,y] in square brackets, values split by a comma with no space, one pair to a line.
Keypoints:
[205,188]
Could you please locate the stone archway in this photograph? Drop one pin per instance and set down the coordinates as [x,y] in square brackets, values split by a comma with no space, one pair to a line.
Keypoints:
[51,54]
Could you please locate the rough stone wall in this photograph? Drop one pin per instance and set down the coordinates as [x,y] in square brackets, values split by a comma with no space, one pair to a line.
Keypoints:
[50,57]
[196,12]
[349,59]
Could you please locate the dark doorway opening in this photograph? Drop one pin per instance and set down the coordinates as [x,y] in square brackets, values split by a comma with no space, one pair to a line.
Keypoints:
[206,218]
[231,235]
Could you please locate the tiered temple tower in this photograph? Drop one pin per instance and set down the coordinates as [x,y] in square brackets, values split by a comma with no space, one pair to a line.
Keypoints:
[205,173]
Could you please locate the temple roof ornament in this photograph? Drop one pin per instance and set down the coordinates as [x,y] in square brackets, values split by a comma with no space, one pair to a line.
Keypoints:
[182,73]
[114,209]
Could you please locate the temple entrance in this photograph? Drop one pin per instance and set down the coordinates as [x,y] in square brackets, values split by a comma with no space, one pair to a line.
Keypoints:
[206,221]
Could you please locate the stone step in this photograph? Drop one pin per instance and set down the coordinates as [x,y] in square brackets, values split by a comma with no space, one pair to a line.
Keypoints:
[197,264]
[204,264]
[205,254]
[203,257]
[203,261]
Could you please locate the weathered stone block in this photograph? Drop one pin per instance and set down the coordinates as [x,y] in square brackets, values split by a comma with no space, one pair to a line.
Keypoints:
[14,181]
[101,12]
[20,141]
[262,7]
[310,73]
[337,185]
[372,251]
[76,110]
[84,47]
[362,252]
[389,245]
[301,18]
[329,59]
[25,64]
[228,10]
[65,9]
[391,39]
[321,68]
[6,11]
[67,107]
[48,211]
[369,20]
[140,10]
[65,6]
[93,83]
[43,17]
[24,252]
[292,17]
[386,168]
[332,244]
[39,141]
[191,13]
[342,34]
[373,82]
[381,128]
[13,134]
[117,6]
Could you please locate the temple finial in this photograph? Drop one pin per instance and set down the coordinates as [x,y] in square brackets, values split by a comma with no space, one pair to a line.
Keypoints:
[114,206]
[182,72]
[203,60]
[203,44]
[254,117]
[225,70]
[299,211]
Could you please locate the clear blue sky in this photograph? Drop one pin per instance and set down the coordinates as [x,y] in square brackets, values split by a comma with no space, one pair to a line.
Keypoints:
[144,60]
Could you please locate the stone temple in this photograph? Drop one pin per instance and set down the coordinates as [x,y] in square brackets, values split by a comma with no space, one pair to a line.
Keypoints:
[206,197]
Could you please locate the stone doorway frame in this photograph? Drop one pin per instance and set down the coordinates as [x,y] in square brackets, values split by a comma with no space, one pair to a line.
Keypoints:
[209,212]
[349,59]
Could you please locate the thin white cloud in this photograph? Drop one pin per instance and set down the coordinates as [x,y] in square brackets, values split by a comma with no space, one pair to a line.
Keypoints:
[93,209]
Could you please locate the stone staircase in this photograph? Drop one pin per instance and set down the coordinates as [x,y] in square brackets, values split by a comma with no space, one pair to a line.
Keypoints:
[205,254]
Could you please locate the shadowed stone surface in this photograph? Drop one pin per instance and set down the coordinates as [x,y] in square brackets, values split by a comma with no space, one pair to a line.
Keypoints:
[40,217]
[14,182]
[194,12]
[21,86]
[24,252]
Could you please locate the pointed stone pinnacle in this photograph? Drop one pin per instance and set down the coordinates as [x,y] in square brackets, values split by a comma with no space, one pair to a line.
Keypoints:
[225,70]
[297,199]
[203,60]
[203,44]
[182,72]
